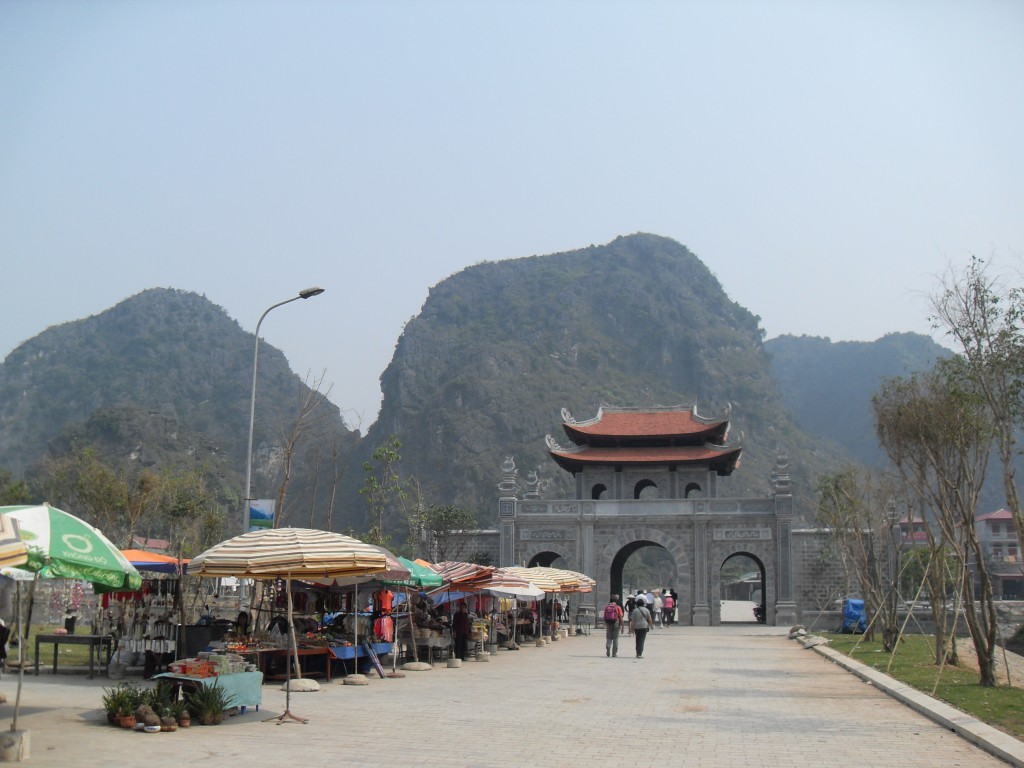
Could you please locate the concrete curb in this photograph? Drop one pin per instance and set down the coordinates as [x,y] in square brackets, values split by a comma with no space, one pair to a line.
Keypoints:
[968,727]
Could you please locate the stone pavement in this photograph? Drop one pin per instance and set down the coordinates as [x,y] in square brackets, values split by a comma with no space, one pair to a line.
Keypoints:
[724,697]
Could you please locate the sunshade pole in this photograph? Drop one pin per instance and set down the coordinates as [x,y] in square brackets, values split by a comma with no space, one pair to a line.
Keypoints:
[21,657]
[355,631]
[287,714]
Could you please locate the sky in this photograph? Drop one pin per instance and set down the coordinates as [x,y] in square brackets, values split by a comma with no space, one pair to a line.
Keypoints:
[828,161]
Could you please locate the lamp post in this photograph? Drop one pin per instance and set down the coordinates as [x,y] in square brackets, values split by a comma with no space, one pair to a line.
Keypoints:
[305,294]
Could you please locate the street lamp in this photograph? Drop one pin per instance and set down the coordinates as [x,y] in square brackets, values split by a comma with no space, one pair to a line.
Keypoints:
[305,294]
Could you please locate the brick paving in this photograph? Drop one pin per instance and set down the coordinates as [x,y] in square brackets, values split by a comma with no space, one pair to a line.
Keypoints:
[724,697]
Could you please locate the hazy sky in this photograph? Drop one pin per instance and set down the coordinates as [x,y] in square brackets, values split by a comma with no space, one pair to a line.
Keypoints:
[826,160]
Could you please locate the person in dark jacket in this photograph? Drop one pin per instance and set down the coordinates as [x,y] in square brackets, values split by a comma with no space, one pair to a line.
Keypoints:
[461,627]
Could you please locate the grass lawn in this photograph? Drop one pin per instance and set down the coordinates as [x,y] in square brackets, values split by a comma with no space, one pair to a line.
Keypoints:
[913,663]
[70,655]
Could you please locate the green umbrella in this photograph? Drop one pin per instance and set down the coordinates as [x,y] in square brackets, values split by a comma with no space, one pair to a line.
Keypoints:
[62,546]
[419,575]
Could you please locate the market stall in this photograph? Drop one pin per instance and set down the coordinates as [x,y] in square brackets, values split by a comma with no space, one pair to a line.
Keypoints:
[145,622]
[290,553]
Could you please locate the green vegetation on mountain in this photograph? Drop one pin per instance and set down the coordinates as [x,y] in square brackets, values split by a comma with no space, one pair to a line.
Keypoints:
[161,382]
[827,386]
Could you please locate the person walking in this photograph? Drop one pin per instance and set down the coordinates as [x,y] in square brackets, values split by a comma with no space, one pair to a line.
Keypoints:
[630,605]
[461,627]
[669,608]
[658,609]
[612,622]
[640,623]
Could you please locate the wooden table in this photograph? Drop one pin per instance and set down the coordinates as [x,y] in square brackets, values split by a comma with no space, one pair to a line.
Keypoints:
[93,641]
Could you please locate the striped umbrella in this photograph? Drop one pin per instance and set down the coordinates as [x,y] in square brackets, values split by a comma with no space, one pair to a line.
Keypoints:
[463,576]
[504,583]
[299,553]
[288,553]
[12,549]
[539,577]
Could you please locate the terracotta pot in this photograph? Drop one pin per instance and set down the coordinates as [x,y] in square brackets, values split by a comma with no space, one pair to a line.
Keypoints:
[184,722]
[126,721]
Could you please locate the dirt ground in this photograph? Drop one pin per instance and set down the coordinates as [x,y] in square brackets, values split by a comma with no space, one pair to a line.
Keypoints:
[1006,663]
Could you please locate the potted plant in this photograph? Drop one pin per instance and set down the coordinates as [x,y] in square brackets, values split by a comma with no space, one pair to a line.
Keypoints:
[112,700]
[121,701]
[208,703]
[179,711]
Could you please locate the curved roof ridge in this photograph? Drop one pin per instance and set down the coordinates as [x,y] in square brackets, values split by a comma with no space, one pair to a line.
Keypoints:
[604,408]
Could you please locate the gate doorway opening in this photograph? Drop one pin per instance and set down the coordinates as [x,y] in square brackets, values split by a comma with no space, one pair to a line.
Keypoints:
[642,565]
[743,593]
[547,560]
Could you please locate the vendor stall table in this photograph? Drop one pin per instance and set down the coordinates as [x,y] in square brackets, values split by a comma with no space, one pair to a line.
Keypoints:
[585,619]
[93,641]
[243,689]
[345,652]
[304,654]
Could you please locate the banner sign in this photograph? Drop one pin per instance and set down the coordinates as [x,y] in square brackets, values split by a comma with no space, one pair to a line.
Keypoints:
[261,514]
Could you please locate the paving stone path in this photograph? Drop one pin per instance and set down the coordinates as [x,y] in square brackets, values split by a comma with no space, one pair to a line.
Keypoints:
[724,697]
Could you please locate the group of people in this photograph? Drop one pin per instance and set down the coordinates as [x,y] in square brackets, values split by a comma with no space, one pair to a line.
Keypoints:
[642,612]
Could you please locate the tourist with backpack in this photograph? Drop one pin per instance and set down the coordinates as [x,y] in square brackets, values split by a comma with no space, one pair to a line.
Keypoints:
[612,620]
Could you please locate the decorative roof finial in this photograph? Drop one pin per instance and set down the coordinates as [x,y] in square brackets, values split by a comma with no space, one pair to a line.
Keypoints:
[508,485]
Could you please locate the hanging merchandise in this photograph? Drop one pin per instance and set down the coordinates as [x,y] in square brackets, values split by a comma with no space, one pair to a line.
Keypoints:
[383,600]
[384,628]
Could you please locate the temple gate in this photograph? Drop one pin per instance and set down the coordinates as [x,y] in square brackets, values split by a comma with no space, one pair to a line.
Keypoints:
[649,477]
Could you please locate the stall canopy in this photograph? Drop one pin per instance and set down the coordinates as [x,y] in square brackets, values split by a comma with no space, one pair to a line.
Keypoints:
[554,579]
[463,576]
[504,583]
[154,561]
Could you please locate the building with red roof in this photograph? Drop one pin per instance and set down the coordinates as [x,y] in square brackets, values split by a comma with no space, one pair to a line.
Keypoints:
[637,453]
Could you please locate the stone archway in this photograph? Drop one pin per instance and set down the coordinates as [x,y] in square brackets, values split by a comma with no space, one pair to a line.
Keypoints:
[624,544]
[545,558]
[742,597]
[763,558]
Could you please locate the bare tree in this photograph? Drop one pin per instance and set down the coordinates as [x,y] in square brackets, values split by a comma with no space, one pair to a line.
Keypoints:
[304,420]
[984,318]
[446,530]
[939,435]
[855,506]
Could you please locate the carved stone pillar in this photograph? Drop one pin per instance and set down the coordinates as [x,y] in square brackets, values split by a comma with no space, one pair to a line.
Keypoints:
[701,605]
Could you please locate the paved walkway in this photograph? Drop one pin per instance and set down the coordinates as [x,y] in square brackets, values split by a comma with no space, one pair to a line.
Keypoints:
[718,697]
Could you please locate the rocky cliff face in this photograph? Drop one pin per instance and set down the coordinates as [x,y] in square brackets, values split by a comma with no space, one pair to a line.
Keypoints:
[481,373]
[500,348]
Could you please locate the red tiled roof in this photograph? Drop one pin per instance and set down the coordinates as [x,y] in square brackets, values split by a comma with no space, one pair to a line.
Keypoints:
[645,424]
[678,425]
[718,457]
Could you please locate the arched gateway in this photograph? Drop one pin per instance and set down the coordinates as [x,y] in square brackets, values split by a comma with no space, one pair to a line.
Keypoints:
[650,477]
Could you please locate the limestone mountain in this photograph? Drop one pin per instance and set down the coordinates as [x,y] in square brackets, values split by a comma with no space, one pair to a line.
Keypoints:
[162,371]
[481,373]
[827,386]
[501,347]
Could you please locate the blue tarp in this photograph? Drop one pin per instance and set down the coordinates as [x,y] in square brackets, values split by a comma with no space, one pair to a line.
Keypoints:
[854,619]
